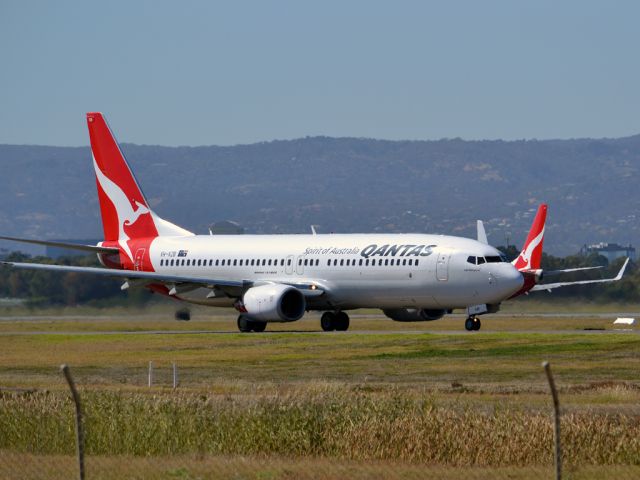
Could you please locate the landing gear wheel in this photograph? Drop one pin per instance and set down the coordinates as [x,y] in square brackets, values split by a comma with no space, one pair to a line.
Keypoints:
[183,315]
[327,321]
[468,324]
[342,322]
[259,326]
[244,324]
[476,324]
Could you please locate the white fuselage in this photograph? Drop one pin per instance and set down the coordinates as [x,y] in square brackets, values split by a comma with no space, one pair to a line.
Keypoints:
[354,270]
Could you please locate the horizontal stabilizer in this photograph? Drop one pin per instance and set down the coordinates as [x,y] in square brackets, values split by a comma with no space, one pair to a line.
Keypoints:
[71,246]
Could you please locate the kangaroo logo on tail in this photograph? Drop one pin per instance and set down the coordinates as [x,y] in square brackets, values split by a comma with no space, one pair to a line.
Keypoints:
[530,257]
[127,216]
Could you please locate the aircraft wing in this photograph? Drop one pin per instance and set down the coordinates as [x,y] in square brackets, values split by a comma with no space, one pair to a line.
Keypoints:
[551,286]
[568,270]
[233,287]
[71,246]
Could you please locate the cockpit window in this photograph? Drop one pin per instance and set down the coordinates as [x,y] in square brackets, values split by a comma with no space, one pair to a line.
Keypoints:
[471,260]
[480,260]
[493,259]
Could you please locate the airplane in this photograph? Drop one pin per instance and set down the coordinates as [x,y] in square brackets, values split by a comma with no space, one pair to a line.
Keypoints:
[277,278]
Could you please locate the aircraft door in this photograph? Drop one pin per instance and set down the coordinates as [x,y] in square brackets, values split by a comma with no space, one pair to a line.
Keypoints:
[442,266]
[137,264]
[288,269]
[299,265]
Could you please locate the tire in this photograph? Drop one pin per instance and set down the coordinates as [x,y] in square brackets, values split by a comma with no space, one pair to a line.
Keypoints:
[477,324]
[183,315]
[244,324]
[259,326]
[342,322]
[328,321]
[468,324]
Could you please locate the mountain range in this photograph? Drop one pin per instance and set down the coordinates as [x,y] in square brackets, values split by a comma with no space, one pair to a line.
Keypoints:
[344,185]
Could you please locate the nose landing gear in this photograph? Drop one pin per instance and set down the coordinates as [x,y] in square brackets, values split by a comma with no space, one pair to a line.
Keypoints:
[472,323]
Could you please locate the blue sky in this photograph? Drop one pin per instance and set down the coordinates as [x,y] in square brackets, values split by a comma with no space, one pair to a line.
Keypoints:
[202,73]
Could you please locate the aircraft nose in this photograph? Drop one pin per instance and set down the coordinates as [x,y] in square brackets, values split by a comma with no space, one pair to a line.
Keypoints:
[512,279]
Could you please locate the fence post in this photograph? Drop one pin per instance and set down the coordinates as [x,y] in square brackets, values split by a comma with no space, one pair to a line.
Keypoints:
[556,410]
[79,433]
[150,373]
[175,375]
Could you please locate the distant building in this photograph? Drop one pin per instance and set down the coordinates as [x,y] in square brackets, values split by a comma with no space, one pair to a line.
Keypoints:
[609,250]
[226,227]
[57,252]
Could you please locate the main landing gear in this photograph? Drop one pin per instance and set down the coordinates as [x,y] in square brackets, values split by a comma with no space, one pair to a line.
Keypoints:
[472,323]
[245,324]
[334,321]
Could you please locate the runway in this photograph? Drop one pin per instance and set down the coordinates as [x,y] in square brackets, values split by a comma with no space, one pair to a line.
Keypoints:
[307,332]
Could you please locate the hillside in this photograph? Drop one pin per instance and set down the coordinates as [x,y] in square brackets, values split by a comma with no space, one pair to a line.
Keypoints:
[345,185]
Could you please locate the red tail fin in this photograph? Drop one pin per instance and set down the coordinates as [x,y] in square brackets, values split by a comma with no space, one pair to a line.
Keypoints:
[125,211]
[126,215]
[531,255]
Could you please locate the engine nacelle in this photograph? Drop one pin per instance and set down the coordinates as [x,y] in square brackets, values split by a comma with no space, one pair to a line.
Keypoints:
[413,314]
[274,303]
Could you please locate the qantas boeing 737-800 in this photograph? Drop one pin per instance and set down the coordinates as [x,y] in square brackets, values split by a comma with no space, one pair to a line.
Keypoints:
[277,278]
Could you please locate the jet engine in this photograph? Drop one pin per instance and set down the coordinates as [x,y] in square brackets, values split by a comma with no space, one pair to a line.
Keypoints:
[274,302]
[413,314]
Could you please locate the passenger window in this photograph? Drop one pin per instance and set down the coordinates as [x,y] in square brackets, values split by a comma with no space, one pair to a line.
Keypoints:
[410,261]
[305,262]
[264,262]
[217,262]
[380,262]
[289,262]
[366,262]
[329,263]
[317,262]
[282,262]
[240,262]
[391,262]
[360,263]
[210,262]
[162,263]
[235,262]
[342,262]
[416,262]
[386,262]
[222,263]
[299,261]
[172,262]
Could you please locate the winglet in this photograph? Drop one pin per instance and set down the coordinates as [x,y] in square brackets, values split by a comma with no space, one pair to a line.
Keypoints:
[482,235]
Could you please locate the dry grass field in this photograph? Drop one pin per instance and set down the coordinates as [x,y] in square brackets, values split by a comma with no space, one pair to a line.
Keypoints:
[384,400]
